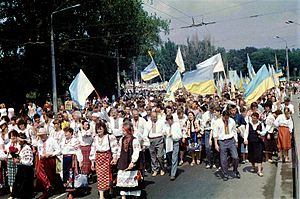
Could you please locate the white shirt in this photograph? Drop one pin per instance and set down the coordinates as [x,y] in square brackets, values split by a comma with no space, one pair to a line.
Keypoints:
[290,106]
[70,147]
[270,123]
[282,121]
[173,133]
[106,143]
[206,120]
[159,128]
[116,126]
[85,137]
[220,130]
[57,136]
[50,145]
[26,156]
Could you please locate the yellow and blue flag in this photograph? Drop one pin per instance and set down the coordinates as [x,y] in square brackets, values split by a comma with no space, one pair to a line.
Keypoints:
[200,81]
[258,85]
[150,71]
[175,82]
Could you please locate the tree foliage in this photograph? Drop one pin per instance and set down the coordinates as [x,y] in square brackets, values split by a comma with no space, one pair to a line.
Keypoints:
[86,37]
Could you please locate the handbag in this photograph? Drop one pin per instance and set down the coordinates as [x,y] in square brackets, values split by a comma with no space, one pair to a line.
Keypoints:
[127,178]
[81,180]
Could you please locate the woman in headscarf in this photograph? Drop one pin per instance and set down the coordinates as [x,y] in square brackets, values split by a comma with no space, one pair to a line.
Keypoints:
[23,186]
[104,152]
[129,162]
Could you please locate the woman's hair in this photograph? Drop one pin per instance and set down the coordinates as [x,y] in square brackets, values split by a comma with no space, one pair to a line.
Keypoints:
[255,114]
[68,129]
[20,122]
[169,117]
[13,133]
[253,105]
[286,110]
[103,125]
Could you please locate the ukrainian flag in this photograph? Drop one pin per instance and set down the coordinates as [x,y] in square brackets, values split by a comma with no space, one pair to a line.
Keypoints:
[279,73]
[259,84]
[150,72]
[200,81]
[175,82]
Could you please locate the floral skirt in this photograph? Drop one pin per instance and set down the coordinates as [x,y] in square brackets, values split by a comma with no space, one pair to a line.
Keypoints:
[69,171]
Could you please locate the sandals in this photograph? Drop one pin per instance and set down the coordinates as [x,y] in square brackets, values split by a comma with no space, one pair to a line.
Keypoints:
[260,174]
[192,164]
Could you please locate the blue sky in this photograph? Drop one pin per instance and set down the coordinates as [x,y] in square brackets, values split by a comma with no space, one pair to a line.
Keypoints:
[238,23]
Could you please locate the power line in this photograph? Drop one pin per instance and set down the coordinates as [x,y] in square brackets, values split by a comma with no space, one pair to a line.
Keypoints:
[175,9]
[172,17]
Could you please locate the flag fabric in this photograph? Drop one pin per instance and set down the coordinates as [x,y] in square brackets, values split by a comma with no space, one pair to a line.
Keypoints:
[179,61]
[241,83]
[200,81]
[234,78]
[150,72]
[279,73]
[275,77]
[215,62]
[175,82]
[81,88]
[251,70]
[258,85]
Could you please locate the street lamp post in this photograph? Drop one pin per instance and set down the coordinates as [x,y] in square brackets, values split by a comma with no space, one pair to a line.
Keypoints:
[287,58]
[54,90]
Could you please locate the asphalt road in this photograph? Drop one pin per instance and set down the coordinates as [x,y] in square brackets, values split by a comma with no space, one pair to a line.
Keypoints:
[198,182]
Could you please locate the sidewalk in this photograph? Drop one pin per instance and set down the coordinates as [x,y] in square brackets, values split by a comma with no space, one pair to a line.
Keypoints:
[284,175]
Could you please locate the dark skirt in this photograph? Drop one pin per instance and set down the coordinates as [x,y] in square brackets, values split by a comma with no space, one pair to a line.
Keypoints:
[256,151]
[23,186]
[11,171]
[270,145]
[69,172]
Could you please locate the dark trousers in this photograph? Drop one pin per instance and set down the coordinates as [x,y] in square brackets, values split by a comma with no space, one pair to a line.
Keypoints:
[240,141]
[226,146]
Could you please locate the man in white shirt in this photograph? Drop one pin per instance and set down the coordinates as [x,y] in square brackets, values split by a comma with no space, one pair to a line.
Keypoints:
[48,149]
[226,141]
[206,121]
[154,131]
[116,124]
[173,134]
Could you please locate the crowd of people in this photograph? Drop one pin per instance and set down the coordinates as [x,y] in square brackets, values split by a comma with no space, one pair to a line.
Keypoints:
[121,141]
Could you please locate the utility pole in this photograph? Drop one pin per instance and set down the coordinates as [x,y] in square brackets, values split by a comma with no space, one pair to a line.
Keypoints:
[134,75]
[118,72]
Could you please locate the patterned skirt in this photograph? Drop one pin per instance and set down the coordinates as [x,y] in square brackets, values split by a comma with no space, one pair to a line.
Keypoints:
[11,172]
[69,171]
[103,170]
[86,166]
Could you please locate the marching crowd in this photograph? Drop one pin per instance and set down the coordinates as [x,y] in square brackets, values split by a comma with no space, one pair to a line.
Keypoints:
[121,141]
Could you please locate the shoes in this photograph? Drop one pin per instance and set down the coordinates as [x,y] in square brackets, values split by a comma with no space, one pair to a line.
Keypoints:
[243,162]
[225,177]
[246,161]
[260,174]
[172,178]
[198,162]
[270,161]
[214,166]
[207,166]
[237,175]
[162,172]
[192,163]
[154,173]
[180,163]
[218,169]
[252,169]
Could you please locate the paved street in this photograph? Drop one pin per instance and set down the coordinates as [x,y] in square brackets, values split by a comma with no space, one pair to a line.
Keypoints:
[198,182]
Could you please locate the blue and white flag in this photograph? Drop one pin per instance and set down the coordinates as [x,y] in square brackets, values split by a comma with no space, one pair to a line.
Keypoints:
[251,70]
[81,88]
